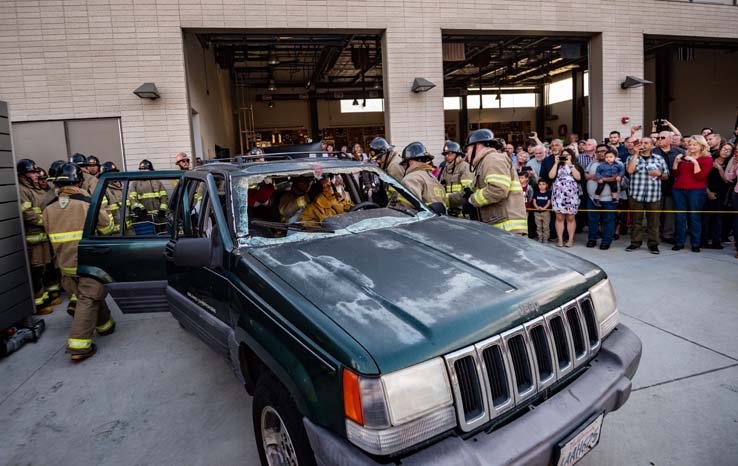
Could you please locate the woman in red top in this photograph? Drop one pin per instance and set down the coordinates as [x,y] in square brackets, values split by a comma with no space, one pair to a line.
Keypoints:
[690,191]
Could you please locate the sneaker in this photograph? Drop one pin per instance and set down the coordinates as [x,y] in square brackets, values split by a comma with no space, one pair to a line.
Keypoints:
[668,240]
[591,243]
[596,202]
[604,246]
[632,248]
[654,249]
[83,356]
[696,249]
[677,248]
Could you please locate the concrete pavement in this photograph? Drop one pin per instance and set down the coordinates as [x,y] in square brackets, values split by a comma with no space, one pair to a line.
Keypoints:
[155,395]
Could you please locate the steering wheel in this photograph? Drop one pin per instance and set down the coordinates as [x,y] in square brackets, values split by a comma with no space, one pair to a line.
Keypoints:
[365,205]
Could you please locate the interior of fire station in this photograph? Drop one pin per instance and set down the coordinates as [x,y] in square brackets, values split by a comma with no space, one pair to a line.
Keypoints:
[528,83]
[695,81]
[266,89]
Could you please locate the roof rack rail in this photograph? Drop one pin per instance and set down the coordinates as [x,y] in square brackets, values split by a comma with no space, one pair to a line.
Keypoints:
[245,159]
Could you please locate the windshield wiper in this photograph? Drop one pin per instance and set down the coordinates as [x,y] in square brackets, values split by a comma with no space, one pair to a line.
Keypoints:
[290,226]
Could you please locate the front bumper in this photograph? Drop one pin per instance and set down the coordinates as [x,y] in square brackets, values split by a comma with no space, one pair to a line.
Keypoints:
[529,440]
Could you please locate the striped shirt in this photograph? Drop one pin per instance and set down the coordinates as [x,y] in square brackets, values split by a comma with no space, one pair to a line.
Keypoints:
[584,160]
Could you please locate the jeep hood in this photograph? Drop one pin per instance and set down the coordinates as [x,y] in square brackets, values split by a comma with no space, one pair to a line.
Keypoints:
[410,293]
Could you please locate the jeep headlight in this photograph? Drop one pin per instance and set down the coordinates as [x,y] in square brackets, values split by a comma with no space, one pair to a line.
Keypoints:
[398,410]
[605,306]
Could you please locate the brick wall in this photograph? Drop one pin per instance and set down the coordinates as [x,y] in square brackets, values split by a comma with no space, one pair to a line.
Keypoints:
[82,58]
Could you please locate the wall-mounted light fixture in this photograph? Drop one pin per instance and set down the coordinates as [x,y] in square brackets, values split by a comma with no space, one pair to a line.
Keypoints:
[632,81]
[422,85]
[147,91]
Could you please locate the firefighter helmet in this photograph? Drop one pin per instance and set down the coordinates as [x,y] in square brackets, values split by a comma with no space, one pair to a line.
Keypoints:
[452,147]
[482,135]
[145,165]
[78,159]
[54,168]
[26,166]
[415,151]
[378,147]
[42,175]
[69,173]
[256,151]
[93,161]
[109,167]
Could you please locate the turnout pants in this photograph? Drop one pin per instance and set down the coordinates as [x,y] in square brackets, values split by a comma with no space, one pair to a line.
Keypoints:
[92,312]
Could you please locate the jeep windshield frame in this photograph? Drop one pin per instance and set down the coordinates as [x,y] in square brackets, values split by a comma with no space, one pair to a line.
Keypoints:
[240,184]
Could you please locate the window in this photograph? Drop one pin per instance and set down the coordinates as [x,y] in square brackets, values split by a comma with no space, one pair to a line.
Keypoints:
[372,105]
[559,91]
[452,103]
[518,100]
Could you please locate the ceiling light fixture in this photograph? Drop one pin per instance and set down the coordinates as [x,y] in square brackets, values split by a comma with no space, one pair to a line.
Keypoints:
[273,59]
[355,103]
[271,85]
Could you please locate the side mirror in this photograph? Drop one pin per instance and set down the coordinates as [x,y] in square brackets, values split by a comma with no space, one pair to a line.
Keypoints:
[193,252]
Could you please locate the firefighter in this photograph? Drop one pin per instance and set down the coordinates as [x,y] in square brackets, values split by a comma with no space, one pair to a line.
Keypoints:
[66,218]
[37,240]
[93,166]
[419,178]
[148,196]
[113,197]
[43,180]
[183,161]
[52,276]
[198,162]
[326,204]
[384,154]
[89,182]
[296,199]
[456,175]
[496,194]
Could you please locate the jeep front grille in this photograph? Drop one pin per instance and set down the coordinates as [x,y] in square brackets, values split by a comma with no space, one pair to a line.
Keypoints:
[506,370]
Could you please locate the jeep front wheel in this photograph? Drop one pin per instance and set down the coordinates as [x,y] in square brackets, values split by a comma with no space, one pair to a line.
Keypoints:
[280,435]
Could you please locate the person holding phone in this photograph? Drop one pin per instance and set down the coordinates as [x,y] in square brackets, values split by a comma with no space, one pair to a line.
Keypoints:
[690,191]
[567,174]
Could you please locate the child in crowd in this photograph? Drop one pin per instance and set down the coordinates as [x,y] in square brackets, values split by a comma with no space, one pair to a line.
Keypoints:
[524,177]
[608,173]
[541,202]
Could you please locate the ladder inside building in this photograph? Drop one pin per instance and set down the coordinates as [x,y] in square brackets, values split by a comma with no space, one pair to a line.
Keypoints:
[246,133]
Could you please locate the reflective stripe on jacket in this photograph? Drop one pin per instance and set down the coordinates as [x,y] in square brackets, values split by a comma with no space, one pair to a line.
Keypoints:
[456,176]
[148,195]
[498,195]
[65,218]
[420,181]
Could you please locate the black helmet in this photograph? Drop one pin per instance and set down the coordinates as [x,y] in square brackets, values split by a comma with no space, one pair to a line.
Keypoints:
[54,168]
[109,167]
[482,135]
[69,173]
[93,161]
[78,159]
[26,166]
[145,165]
[42,175]
[378,147]
[415,151]
[256,151]
[452,147]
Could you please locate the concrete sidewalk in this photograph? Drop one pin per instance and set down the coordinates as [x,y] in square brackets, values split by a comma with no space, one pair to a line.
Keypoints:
[155,395]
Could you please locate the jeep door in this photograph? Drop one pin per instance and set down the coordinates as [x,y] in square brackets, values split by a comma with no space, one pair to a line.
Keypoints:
[199,289]
[130,261]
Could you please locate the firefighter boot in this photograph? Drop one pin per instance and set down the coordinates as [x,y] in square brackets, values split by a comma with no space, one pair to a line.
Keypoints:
[81,356]
[72,306]
[108,328]
[41,303]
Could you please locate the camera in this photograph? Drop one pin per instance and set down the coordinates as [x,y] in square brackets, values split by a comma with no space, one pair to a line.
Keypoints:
[660,126]
[562,158]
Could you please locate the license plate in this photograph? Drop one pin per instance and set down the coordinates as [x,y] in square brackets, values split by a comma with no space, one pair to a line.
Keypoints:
[581,443]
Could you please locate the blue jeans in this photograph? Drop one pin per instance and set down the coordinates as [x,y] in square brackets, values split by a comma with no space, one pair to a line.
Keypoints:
[604,214]
[691,200]
[735,219]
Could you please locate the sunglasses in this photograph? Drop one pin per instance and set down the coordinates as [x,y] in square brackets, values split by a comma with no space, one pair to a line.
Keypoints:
[661,137]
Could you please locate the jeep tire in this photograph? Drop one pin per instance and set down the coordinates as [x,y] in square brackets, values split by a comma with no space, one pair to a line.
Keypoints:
[277,420]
